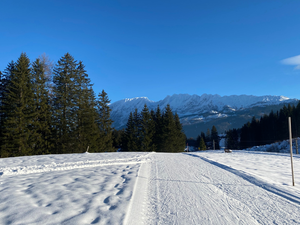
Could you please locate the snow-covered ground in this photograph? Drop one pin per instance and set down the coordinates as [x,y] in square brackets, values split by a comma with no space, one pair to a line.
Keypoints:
[209,187]
[271,169]
[282,147]
[68,189]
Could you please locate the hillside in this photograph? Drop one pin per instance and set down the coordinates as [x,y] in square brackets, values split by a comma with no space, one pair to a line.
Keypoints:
[197,113]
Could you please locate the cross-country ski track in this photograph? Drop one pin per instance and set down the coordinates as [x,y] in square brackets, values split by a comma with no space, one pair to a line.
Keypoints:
[140,188]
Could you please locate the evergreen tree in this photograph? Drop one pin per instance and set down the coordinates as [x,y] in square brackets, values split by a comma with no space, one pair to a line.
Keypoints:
[41,127]
[18,109]
[105,123]
[208,139]
[202,144]
[118,138]
[215,137]
[180,138]
[147,130]
[157,138]
[129,140]
[137,129]
[168,130]
[232,139]
[64,105]
[4,81]
[86,130]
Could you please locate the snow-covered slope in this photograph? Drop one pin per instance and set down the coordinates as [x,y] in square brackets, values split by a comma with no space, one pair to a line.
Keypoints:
[207,187]
[191,107]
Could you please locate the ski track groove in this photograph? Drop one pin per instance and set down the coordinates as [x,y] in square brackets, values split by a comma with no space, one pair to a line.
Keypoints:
[189,190]
[5,171]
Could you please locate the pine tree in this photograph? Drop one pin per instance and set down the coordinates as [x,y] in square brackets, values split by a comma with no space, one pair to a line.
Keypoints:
[202,144]
[18,110]
[157,138]
[41,127]
[215,137]
[232,139]
[64,105]
[4,82]
[147,130]
[208,139]
[105,123]
[118,136]
[168,130]
[129,140]
[179,135]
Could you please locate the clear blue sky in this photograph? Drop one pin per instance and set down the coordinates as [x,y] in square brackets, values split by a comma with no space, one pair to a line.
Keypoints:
[159,48]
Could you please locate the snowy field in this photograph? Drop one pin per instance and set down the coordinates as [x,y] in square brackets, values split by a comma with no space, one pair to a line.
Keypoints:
[209,187]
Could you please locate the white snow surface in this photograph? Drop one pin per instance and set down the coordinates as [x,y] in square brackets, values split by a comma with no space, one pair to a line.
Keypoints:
[185,104]
[280,147]
[208,187]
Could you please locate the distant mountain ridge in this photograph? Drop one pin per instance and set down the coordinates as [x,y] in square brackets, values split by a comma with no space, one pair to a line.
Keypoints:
[195,109]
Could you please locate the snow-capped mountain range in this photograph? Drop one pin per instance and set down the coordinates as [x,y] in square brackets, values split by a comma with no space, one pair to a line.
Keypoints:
[194,108]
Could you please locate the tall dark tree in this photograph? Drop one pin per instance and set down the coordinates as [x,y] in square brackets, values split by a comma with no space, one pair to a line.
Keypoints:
[158,137]
[64,104]
[105,123]
[4,81]
[129,139]
[168,129]
[41,126]
[208,141]
[147,130]
[179,142]
[215,137]
[202,144]
[86,130]
[118,138]
[232,139]
[18,110]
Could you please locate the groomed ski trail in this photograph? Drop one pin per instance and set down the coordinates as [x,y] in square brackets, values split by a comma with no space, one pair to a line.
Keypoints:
[184,189]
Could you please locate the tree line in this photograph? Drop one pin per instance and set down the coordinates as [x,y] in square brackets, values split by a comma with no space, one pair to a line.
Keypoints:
[208,140]
[266,130]
[157,130]
[51,109]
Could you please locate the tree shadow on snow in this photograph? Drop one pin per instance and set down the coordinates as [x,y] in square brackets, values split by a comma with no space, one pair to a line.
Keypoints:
[253,180]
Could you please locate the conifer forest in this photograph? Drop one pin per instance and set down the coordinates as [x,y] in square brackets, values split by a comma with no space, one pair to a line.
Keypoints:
[52,109]
[266,130]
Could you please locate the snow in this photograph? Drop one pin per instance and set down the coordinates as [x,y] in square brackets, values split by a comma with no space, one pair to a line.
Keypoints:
[207,187]
[271,168]
[68,189]
[281,147]
[185,104]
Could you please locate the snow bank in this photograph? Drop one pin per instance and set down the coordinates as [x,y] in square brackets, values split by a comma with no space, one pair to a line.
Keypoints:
[281,147]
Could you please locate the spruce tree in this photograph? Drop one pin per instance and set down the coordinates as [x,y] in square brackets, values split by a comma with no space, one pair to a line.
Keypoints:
[4,81]
[41,127]
[86,131]
[215,137]
[118,138]
[19,110]
[208,139]
[168,130]
[157,138]
[202,144]
[147,130]
[64,105]
[105,123]
[129,140]
[179,135]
